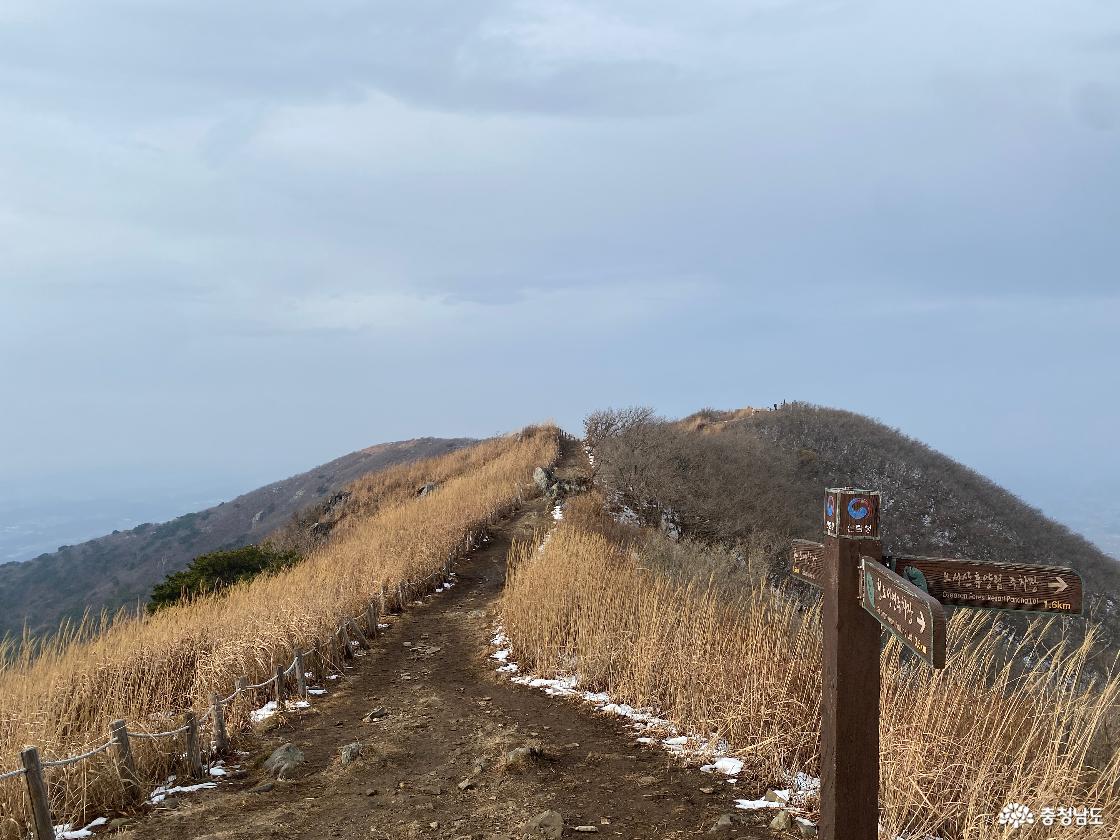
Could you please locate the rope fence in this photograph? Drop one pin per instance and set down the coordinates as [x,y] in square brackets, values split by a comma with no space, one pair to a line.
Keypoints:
[120,735]
[119,745]
[74,759]
[170,733]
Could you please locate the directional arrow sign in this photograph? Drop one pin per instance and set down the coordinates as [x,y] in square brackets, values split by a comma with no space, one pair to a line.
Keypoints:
[1000,586]
[904,609]
[807,560]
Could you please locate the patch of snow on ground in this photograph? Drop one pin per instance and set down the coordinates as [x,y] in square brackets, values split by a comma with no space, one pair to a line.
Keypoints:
[270,708]
[727,766]
[68,832]
[316,691]
[756,804]
[168,788]
[558,512]
[557,688]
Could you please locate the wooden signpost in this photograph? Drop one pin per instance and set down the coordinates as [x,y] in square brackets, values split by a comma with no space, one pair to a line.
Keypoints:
[905,610]
[863,592]
[807,559]
[999,586]
[969,583]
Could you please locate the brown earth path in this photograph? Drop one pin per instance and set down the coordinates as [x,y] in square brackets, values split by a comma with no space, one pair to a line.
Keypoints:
[447,711]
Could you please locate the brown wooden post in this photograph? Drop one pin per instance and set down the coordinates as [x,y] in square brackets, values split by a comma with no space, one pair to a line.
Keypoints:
[126,764]
[221,738]
[344,640]
[194,757]
[850,674]
[278,692]
[301,677]
[37,792]
[242,686]
[372,619]
[363,642]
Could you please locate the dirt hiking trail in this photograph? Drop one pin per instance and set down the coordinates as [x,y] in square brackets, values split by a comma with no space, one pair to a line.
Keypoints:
[434,764]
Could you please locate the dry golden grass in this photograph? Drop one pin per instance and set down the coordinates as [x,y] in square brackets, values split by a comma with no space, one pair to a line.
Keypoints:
[149,670]
[957,744]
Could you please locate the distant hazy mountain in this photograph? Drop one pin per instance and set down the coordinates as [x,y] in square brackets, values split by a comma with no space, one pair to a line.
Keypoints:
[120,569]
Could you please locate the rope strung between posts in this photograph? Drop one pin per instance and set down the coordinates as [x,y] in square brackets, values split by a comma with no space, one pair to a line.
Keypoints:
[74,759]
[154,735]
[170,733]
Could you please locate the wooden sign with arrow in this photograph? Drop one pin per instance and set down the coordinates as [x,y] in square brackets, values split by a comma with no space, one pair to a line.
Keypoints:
[991,585]
[806,563]
[999,586]
[863,592]
[912,615]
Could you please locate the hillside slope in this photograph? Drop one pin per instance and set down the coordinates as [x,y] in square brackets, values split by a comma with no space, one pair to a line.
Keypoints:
[755,478]
[120,569]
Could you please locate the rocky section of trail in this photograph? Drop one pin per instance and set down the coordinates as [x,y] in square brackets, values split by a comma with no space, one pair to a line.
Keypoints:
[421,738]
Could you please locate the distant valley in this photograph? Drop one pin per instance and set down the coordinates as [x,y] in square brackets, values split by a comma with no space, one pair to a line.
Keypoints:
[120,568]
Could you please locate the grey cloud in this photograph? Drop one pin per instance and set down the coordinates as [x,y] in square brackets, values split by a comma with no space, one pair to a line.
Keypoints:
[1098,105]
[246,219]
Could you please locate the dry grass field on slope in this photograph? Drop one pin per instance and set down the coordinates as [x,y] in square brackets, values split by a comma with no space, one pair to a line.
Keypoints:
[744,665]
[150,670]
[119,569]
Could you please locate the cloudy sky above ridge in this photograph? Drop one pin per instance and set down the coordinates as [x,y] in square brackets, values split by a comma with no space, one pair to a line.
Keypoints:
[241,239]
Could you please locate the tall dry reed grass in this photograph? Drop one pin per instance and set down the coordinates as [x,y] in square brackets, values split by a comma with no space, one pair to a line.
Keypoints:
[744,667]
[149,670]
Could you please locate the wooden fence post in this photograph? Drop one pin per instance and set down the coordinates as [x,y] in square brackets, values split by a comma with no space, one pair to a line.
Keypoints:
[126,764]
[347,651]
[301,678]
[194,757]
[37,792]
[850,673]
[372,619]
[221,737]
[363,642]
[242,686]
[278,692]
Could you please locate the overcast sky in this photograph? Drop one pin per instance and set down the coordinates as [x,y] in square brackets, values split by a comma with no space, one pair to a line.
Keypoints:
[239,239]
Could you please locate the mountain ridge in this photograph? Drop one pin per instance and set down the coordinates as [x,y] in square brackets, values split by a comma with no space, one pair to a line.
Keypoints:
[119,569]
